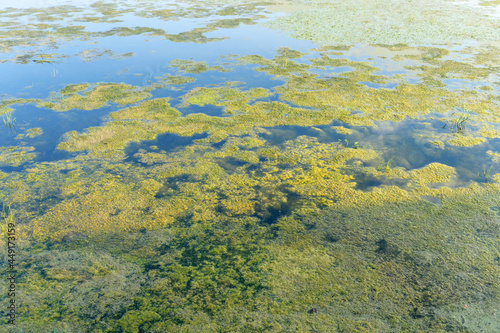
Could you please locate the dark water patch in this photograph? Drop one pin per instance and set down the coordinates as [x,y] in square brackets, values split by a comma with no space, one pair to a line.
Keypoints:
[210,110]
[220,144]
[231,163]
[166,142]
[269,215]
[171,184]
[365,182]
[169,141]
[387,249]
[279,134]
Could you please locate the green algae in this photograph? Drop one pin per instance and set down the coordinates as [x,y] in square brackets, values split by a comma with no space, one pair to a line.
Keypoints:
[231,99]
[455,69]
[213,271]
[193,67]
[31,133]
[62,24]
[176,79]
[432,173]
[96,19]
[465,141]
[489,56]
[100,95]
[109,9]
[70,89]
[6,103]
[342,130]
[489,132]
[156,109]
[239,194]
[194,36]
[168,14]
[426,54]
[344,285]
[229,23]
[324,98]
[213,265]
[136,123]
[335,22]
[16,156]
[126,32]
[437,143]
[495,155]
[489,3]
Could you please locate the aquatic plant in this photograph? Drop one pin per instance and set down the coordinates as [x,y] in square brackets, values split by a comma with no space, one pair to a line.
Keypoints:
[9,121]
[458,124]
[485,175]
[388,165]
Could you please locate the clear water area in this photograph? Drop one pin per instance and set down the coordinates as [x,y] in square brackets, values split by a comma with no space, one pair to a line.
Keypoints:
[233,179]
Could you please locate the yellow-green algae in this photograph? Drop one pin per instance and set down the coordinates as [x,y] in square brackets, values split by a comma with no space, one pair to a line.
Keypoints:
[316,172]
[71,89]
[232,99]
[423,23]
[31,133]
[326,97]
[489,2]
[342,130]
[15,156]
[495,155]
[6,103]
[192,66]
[100,95]
[465,141]
[62,27]
[220,266]
[222,206]
[432,173]
[142,122]
[176,79]
[489,132]
[426,54]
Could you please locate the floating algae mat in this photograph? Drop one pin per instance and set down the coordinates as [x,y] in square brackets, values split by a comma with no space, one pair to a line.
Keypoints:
[250,166]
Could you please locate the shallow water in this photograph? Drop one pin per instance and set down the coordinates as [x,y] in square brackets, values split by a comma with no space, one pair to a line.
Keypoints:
[186,168]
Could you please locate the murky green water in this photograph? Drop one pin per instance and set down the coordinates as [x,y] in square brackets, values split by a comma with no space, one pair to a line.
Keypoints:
[185,167]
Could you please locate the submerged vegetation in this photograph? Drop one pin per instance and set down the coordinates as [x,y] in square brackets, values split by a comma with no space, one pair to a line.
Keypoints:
[309,189]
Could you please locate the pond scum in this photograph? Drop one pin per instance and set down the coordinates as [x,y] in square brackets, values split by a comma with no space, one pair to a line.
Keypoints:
[241,231]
